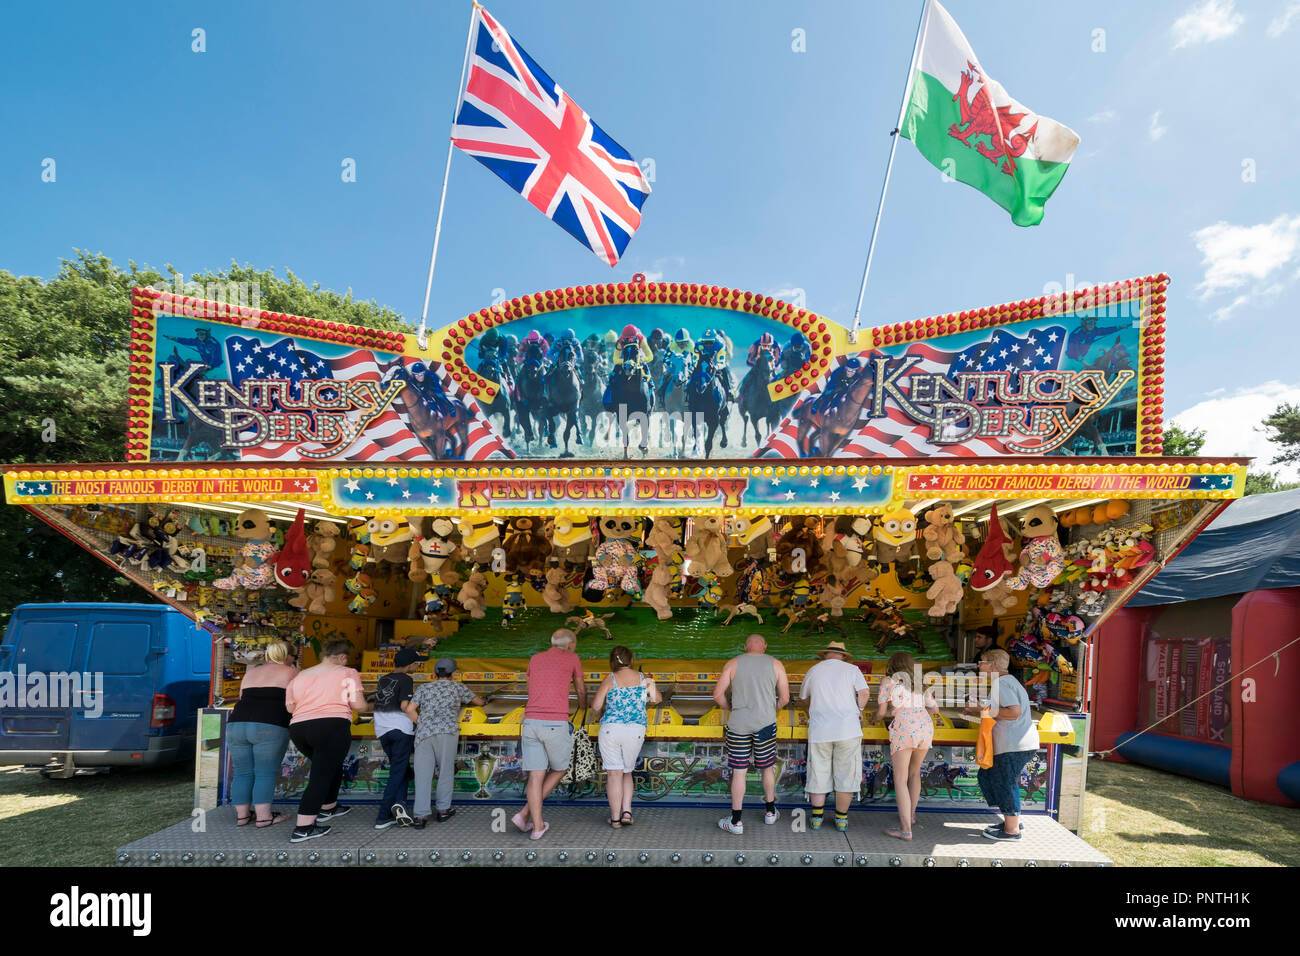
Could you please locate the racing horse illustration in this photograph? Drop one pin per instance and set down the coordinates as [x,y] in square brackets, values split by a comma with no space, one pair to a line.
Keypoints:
[590,409]
[707,400]
[672,396]
[563,396]
[440,423]
[941,777]
[792,360]
[826,422]
[755,400]
[531,406]
[494,370]
[630,399]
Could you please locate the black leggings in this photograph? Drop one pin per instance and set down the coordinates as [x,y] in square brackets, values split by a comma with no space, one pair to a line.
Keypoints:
[325,742]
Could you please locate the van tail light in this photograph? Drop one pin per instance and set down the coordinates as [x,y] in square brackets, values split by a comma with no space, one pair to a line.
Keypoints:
[164,711]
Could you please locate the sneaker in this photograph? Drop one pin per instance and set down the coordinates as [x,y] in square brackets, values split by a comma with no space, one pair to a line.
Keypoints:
[384,824]
[770,818]
[817,822]
[339,811]
[726,824]
[445,815]
[401,815]
[419,823]
[997,833]
[841,823]
[308,833]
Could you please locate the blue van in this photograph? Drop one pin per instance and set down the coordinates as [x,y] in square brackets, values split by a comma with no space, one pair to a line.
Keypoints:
[101,685]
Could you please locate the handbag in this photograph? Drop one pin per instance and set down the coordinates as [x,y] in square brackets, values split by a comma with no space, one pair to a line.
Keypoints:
[582,763]
[984,743]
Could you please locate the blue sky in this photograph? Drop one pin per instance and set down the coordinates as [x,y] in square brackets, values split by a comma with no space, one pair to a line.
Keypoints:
[767,161]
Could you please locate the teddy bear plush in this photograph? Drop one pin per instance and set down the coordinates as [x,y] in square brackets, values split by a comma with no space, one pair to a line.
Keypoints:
[1042,558]
[554,593]
[526,548]
[945,593]
[616,556]
[706,548]
[832,596]
[656,594]
[799,538]
[321,543]
[470,596]
[571,541]
[252,569]
[943,542]
[665,537]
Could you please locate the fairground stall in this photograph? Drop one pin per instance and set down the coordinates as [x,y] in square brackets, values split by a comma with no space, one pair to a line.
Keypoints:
[667,466]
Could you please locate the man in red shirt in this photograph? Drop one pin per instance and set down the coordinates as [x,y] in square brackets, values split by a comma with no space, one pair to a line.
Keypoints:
[545,740]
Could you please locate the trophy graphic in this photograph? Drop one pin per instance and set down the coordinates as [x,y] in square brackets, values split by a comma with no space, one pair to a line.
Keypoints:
[483,765]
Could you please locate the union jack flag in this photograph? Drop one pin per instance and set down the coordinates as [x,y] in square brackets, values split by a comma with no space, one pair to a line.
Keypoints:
[895,435]
[517,122]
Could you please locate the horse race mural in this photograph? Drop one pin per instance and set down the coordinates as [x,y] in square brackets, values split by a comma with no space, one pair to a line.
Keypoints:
[647,373]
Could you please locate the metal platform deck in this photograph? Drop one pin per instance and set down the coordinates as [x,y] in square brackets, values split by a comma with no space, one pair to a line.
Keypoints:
[661,836]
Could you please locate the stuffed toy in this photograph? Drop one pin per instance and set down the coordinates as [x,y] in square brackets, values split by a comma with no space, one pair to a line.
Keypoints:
[894,542]
[656,594]
[710,593]
[428,552]
[1042,558]
[616,557]
[470,596]
[946,593]
[526,548]
[993,567]
[800,592]
[318,592]
[832,596]
[389,540]
[571,542]
[364,594]
[252,570]
[292,565]
[358,556]
[844,550]
[943,542]
[322,542]
[799,539]
[665,537]
[478,539]
[706,548]
[755,536]
[1133,551]
[554,593]
[513,602]
[741,610]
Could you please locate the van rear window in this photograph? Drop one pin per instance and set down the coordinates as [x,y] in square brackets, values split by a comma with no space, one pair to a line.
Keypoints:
[120,648]
[46,646]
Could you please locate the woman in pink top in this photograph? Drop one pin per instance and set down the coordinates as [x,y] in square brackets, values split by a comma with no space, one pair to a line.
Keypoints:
[910,735]
[321,700]
[257,735]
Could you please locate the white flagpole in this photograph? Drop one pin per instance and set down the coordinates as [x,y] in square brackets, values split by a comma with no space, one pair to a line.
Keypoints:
[423,339]
[880,208]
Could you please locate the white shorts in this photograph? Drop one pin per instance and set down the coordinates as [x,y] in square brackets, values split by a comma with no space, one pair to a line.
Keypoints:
[620,745]
[835,765]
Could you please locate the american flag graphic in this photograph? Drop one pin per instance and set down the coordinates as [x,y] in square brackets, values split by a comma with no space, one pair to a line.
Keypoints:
[895,435]
[518,123]
[387,438]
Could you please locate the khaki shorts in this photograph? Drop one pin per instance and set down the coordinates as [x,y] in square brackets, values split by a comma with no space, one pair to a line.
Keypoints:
[545,744]
[835,765]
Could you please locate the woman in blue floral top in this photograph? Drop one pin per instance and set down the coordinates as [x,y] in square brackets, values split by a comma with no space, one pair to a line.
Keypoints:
[622,696]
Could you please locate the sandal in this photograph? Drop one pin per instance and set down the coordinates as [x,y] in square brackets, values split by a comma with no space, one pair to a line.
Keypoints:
[242,821]
[898,834]
[275,818]
[614,824]
[626,819]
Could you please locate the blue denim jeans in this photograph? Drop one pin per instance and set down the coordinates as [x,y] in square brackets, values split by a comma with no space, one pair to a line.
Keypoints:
[256,751]
[398,747]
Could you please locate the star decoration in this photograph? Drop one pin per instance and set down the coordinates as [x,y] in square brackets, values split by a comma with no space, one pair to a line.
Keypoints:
[1052,337]
[815,482]
[392,482]
[859,483]
[432,497]
[789,496]
[351,484]
[835,496]
[406,493]
[370,496]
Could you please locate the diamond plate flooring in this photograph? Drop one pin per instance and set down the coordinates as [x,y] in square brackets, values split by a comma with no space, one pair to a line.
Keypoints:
[579,837]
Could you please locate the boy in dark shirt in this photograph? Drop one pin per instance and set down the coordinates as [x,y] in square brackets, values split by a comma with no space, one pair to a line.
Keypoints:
[395,730]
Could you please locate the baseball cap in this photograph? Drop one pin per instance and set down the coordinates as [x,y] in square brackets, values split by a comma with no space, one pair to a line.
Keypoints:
[446,666]
[408,655]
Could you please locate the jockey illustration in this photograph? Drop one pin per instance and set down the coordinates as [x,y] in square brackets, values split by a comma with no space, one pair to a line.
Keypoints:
[566,346]
[682,343]
[632,336]
[658,341]
[714,351]
[766,343]
[797,349]
[532,349]
[608,343]
[209,349]
[428,388]
[838,385]
[1081,339]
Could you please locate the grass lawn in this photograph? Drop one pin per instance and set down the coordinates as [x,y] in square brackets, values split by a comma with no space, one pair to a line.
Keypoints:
[82,821]
[1143,817]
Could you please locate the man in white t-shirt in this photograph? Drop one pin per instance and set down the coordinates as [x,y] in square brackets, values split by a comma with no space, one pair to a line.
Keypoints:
[836,692]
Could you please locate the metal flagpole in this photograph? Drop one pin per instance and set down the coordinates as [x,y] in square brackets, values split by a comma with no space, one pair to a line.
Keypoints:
[423,338]
[880,208]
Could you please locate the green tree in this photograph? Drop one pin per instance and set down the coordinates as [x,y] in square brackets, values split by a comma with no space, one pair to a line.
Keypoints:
[1182,442]
[63,361]
[1283,429]
[1266,482]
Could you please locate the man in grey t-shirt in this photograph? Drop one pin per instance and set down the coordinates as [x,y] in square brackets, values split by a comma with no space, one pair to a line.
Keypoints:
[1015,741]
[759,688]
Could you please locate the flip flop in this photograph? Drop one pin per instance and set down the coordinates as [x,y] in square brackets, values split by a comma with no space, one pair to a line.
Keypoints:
[540,833]
[521,827]
[626,819]
[243,821]
[275,818]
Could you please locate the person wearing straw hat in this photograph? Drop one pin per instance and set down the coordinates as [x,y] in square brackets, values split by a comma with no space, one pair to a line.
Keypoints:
[836,693]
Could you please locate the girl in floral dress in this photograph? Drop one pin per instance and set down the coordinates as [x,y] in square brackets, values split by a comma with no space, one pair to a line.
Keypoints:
[910,735]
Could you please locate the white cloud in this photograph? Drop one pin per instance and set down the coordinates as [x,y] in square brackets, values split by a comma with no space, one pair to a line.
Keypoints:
[1206,22]
[1282,22]
[1224,313]
[1155,130]
[1105,116]
[653,276]
[1231,424]
[1236,255]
